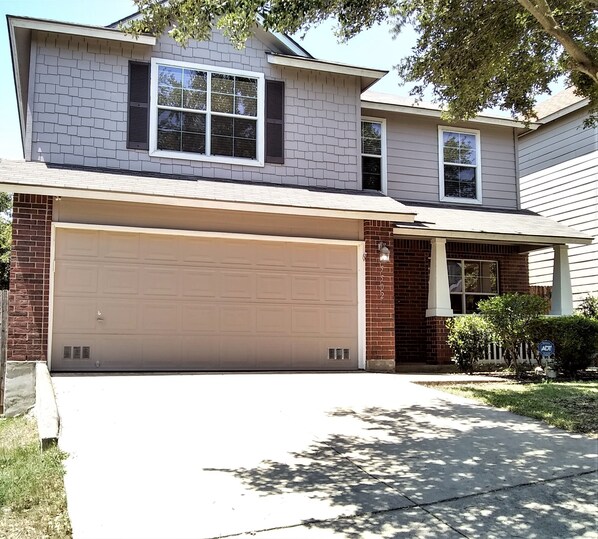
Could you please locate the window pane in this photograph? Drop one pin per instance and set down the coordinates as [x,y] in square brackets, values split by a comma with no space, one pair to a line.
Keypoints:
[457,303]
[472,277]
[224,84]
[222,145]
[246,106]
[455,276]
[371,138]
[372,146]
[193,142]
[169,140]
[244,148]
[371,130]
[245,87]
[490,277]
[194,122]
[246,129]
[195,80]
[451,189]
[170,76]
[471,303]
[222,125]
[222,103]
[371,173]
[170,97]
[459,148]
[169,120]
[193,99]
[459,181]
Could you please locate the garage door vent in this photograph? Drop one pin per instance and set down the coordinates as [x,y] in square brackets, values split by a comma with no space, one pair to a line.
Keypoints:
[67,354]
[338,353]
[76,352]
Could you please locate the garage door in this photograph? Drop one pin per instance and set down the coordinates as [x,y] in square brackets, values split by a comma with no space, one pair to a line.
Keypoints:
[138,301]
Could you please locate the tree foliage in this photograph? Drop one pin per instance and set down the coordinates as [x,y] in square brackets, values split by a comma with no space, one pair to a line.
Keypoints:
[5,238]
[473,53]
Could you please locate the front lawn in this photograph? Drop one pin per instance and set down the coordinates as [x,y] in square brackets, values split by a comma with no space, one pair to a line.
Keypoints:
[572,406]
[32,497]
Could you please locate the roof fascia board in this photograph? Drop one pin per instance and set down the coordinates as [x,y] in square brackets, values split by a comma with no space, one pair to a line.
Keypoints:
[420,111]
[490,236]
[16,77]
[329,67]
[79,30]
[563,112]
[202,203]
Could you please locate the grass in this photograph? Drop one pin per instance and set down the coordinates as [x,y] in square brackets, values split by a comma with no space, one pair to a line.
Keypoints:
[571,406]
[32,497]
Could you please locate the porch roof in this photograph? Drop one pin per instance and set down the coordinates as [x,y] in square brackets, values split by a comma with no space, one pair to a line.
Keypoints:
[192,191]
[521,227]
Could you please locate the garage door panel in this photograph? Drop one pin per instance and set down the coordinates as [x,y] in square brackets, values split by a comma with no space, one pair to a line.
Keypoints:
[183,303]
[75,278]
[237,285]
[159,281]
[157,249]
[69,348]
[122,247]
[237,319]
[274,319]
[199,318]
[159,317]
[307,320]
[200,283]
[273,286]
[75,314]
[118,316]
[339,289]
[120,280]
[78,244]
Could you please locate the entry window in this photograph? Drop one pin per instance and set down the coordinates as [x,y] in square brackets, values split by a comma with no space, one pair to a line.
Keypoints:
[373,154]
[460,171]
[471,281]
[201,113]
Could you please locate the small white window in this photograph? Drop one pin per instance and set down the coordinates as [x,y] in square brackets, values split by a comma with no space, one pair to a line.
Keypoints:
[471,281]
[204,113]
[373,154]
[460,165]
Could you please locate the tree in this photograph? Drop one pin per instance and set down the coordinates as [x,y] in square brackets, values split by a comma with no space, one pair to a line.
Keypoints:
[5,238]
[473,53]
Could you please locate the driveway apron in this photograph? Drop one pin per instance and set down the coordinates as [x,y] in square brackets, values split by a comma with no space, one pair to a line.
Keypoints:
[346,455]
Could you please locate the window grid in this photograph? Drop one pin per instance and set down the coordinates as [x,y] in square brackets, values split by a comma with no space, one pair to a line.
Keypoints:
[458,289]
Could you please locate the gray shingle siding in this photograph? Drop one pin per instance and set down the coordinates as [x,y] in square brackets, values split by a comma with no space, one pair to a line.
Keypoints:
[80,112]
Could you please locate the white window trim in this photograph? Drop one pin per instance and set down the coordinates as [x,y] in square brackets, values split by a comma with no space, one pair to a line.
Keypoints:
[153,138]
[383,176]
[478,167]
[463,293]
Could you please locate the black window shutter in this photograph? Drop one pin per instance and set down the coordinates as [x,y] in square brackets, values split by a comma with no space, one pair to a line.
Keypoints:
[138,116]
[274,121]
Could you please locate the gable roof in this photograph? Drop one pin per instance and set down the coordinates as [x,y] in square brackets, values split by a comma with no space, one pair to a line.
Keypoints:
[111,184]
[560,104]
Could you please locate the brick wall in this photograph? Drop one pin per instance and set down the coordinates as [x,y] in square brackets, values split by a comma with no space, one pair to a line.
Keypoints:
[29,278]
[419,339]
[380,305]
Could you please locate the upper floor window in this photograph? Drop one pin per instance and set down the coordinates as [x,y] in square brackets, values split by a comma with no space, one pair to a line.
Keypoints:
[460,171]
[201,113]
[470,281]
[373,154]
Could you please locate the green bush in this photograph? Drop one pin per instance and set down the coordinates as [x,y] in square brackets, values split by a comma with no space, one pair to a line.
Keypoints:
[509,317]
[468,336]
[589,307]
[575,338]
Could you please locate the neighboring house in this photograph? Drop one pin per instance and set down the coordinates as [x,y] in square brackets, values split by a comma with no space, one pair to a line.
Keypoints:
[559,179]
[205,208]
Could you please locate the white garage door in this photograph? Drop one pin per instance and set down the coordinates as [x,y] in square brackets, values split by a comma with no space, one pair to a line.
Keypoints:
[136,301]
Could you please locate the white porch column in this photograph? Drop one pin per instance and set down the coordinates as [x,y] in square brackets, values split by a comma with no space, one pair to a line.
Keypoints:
[562,296]
[439,298]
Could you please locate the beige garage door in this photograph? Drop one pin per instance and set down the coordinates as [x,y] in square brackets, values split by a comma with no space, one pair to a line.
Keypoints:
[131,301]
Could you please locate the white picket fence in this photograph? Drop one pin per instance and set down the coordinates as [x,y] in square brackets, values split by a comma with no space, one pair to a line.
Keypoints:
[495,353]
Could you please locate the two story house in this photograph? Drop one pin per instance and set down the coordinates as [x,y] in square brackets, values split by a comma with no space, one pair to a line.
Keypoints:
[558,164]
[205,208]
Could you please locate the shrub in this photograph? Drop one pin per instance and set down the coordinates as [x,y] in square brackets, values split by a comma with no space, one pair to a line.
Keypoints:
[575,339]
[468,337]
[509,318]
[589,307]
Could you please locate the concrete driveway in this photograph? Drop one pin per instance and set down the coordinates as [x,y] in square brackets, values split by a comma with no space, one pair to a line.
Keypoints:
[355,455]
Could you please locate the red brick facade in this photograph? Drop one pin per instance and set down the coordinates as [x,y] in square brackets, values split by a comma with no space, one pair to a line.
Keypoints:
[29,278]
[419,339]
[380,303]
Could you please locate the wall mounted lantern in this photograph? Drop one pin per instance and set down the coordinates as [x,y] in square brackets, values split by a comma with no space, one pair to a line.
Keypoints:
[384,252]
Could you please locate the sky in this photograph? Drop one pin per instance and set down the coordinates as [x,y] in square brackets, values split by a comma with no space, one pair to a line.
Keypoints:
[374,48]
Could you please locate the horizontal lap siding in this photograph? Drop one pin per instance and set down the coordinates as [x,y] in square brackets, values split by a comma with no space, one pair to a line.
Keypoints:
[412,149]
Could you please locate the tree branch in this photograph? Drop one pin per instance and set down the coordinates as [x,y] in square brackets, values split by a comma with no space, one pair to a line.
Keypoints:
[541,11]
